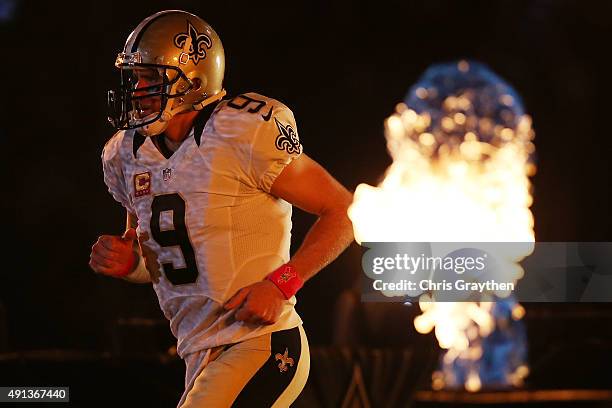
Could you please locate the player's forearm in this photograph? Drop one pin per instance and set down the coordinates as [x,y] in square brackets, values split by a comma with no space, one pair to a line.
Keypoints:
[325,241]
[139,273]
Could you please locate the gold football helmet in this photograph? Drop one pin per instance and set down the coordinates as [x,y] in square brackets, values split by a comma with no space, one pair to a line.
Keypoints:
[172,58]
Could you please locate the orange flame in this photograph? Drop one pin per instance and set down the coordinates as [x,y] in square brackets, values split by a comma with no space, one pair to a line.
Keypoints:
[453,190]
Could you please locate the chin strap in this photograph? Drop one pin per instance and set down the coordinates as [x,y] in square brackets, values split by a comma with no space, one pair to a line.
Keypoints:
[217,97]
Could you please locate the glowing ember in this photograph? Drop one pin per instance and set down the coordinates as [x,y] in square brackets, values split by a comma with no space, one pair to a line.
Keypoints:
[461,148]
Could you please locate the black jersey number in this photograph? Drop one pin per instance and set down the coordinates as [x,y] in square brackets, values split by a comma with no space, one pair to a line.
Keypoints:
[174,237]
[242,101]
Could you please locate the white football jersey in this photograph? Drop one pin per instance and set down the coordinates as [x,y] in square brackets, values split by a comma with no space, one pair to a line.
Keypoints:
[207,222]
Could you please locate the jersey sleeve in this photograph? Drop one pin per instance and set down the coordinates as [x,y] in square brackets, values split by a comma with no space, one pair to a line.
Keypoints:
[113,171]
[275,145]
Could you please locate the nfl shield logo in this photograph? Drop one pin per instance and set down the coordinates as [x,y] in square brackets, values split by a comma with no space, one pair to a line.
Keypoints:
[167,174]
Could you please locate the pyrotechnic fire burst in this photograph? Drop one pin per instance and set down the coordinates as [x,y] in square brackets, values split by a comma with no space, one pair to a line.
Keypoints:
[462,155]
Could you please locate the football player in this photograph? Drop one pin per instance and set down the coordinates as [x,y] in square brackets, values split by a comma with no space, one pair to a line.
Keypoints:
[208,184]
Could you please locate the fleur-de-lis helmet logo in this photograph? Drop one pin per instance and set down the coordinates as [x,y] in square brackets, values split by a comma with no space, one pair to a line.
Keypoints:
[199,43]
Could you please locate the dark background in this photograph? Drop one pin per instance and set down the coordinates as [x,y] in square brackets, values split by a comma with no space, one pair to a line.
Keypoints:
[341,66]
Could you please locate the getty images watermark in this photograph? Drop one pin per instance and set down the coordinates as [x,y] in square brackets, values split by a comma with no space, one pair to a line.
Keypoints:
[459,264]
[456,272]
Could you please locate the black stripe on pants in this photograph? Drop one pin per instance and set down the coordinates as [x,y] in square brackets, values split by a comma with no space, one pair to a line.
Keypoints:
[275,374]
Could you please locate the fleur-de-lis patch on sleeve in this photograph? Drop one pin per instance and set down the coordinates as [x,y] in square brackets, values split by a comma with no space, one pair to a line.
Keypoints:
[287,139]
[199,43]
[285,361]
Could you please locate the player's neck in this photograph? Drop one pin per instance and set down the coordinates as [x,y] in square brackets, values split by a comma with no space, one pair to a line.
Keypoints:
[179,126]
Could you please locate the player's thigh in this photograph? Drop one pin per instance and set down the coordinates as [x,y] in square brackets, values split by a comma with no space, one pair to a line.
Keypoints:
[221,380]
[268,370]
[281,379]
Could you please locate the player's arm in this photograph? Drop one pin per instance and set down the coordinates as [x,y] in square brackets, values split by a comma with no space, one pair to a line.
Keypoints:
[139,274]
[307,185]
[119,256]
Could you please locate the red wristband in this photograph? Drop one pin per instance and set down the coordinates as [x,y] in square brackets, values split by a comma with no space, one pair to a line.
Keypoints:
[286,279]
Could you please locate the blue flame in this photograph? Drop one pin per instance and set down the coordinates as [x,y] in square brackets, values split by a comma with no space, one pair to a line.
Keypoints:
[503,352]
[489,95]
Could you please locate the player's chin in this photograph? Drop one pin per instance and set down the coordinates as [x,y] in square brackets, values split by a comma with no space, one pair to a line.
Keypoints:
[147,110]
[142,114]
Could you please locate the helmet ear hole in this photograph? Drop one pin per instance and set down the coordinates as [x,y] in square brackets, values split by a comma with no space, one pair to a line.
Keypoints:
[197,83]
[203,82]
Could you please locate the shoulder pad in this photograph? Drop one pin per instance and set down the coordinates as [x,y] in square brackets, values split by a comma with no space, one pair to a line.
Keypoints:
[113,146]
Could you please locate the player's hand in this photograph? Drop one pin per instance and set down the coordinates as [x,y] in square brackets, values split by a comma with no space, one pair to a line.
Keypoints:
[259,303]
[113,255]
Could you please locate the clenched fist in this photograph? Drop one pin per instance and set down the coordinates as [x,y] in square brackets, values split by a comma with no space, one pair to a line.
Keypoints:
[114,255]
[259,303]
